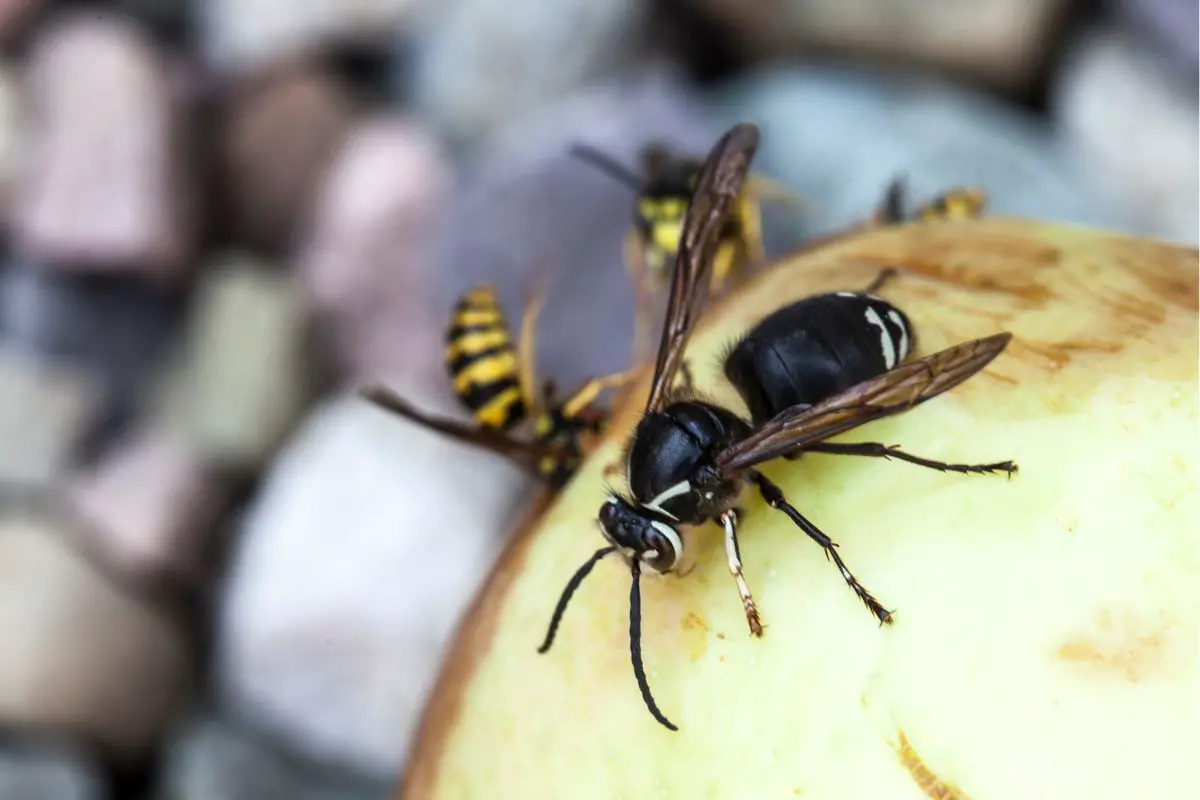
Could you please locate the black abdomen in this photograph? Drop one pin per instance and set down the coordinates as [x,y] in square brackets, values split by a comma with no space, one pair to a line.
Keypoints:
[816,348]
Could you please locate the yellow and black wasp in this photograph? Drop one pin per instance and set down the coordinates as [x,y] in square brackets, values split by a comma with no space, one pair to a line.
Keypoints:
[497,382]
[957,203]
[663,191]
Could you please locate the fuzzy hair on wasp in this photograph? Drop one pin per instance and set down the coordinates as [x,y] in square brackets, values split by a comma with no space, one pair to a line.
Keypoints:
[497,382]
[814,369]
[663,190]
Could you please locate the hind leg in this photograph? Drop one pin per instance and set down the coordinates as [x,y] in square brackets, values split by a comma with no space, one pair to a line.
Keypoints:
[885,275]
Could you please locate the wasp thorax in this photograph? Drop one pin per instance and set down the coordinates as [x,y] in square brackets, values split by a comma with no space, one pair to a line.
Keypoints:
[653,542]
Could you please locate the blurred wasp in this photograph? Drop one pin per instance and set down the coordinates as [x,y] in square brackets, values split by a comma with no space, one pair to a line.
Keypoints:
[497,383]
[664,189]
[818,367]
[953,205]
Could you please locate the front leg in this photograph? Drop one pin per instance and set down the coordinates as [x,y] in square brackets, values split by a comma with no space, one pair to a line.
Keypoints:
[733,556]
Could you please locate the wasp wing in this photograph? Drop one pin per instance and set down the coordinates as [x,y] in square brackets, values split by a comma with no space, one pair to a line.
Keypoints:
[524,452]
[717,188]
[891,393]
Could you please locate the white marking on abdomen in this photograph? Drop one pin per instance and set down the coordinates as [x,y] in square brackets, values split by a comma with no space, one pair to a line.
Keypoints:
[683,487]
[847,294]
[895,317]
[885,339]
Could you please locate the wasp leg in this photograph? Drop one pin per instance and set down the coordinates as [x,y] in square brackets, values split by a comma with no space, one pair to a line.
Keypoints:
[644,291]
[774,497]
[527,345]
[686,380]
[523,452]
[877,450]
[768,189]
[733,555]
[586,394]
[885,275]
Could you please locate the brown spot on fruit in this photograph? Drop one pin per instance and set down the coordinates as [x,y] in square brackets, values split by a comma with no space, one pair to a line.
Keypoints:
[694,639]
[1124,646]
[1056,355]
[923,776]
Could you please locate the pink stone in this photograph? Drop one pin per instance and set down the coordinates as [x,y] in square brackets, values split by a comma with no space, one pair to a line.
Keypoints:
[366,264]
[105,186]
[149,508]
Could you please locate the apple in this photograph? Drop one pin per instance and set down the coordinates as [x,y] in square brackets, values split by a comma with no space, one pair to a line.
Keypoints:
[1045,642]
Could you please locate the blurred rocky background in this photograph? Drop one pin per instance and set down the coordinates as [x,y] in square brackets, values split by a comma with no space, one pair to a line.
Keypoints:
[222,576]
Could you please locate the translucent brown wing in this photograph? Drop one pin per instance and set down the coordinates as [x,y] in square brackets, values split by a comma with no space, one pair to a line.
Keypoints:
[717,187]
[891,393]
[520,450]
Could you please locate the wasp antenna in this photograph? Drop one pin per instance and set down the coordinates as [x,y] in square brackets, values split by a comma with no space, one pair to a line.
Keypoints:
[606,164]
[568,591]
[635,647]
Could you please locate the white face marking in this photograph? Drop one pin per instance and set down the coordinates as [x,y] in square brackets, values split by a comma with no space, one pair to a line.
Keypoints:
[846,294]
[894,316]
[885,341]
[683,487]
[672,536]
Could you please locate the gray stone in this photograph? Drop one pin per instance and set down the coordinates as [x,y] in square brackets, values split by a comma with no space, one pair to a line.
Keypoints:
[1136,127]
[1171,26]
[44,416]
[45,772]
[239,35]
[211,758]
[82,658]
[246,371]
[118,329]
[366,541]
[525,203]
[105,186]
[478,64]
[838,135]
[366,262]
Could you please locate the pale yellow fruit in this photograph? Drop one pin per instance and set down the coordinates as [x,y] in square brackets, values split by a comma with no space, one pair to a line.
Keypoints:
[1045,643]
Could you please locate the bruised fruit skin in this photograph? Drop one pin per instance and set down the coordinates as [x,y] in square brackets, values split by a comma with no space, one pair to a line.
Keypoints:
[1045,641]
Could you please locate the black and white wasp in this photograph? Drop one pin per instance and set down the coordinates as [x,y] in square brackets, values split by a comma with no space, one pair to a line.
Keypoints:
[809,371]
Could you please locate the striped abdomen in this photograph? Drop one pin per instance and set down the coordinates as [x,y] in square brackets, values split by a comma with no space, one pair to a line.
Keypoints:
[482,361]
[956,204]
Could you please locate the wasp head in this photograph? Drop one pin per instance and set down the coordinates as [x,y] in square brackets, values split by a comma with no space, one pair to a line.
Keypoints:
[639,535]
